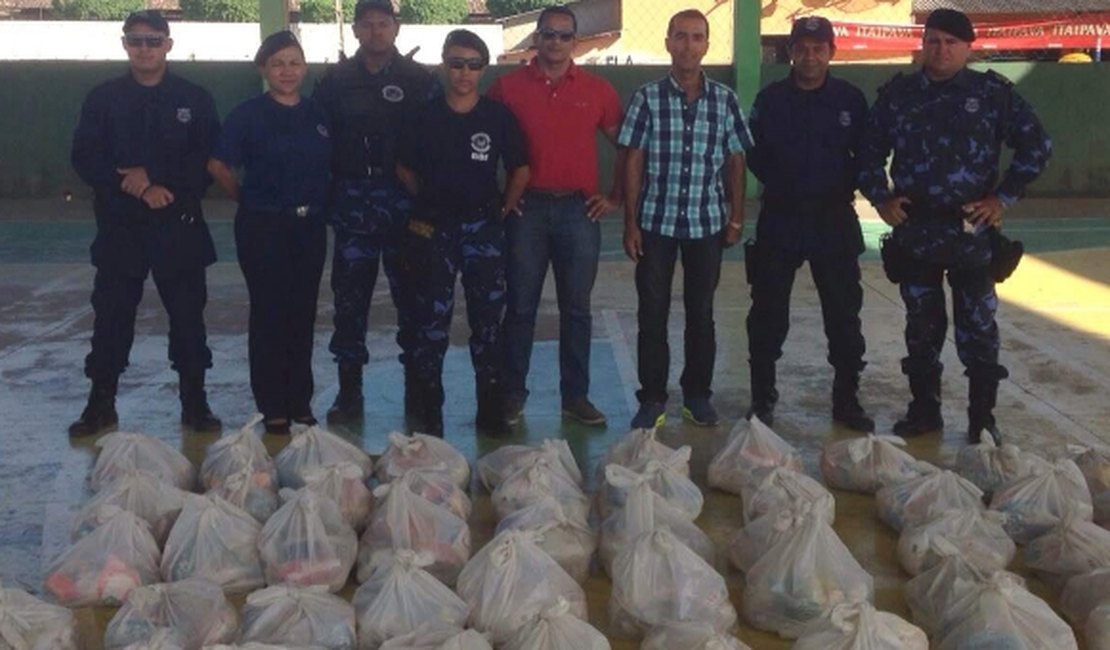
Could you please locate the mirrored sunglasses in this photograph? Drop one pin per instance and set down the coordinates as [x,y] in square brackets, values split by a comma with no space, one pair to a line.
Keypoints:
[149,40]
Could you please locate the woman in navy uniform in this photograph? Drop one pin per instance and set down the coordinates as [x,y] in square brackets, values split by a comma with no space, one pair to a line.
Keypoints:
[280,142]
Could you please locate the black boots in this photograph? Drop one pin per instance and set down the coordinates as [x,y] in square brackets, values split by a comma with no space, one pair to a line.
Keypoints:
[195,413]
[99,415]
[348,403]
[764,393]
[982,394]
[491,418]
[846,408]
[923,414]
[424,407]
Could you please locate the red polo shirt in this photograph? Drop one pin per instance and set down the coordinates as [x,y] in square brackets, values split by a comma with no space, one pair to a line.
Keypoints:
[560,122]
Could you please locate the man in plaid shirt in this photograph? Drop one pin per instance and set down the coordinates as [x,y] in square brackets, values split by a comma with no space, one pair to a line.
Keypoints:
[685,137]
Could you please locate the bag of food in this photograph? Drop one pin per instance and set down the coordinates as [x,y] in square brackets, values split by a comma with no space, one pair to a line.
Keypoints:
[932,493]
[867,464]
[256,492]
[438,636]
[632,450]
[1094,463]
[231,454]
[434,484]
[404,520]
[568,540]
[1097,629]
[162,639]
[978,535]
[316,447]
[401,596]
[307,542]
[1084,592]
[859,626]
[104,566]
[751,445]
[556,628]
[418,450]
[1074,547]
[299,616]
[664,479]
[751,542]
[122,452]
[776,488]
[802,578]
[251,645]
[692,635]
[536,479]
[496,465]
[216,541]
[28,623]
[932,592]
[343,483]
[1037,502]
[1002,614]
[659,580]
[195,610]
[154,501]
[990,466]
[511,581]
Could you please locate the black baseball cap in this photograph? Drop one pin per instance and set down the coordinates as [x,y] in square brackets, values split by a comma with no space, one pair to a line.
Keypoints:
[384,6]
[149,17]
[816,27]
[953,22]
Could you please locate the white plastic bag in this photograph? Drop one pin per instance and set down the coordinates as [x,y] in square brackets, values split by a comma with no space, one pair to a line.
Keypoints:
[307,542]
[538,478]
[438,636]
[567,539]
[162,639]
[932,493]
[344,484]
[239,469]
[316,447]
[990,466]
[511,581]
[1035,503]
[253,645]
[867,464]
[932,592]
[1002,614]
[1097,629]
[299,616]
[419,450]
[195,610]
[1074,547]
[434,484]
[122,452]
[663,477]
[256,492]
[693,635]
[1094,463]
[631,450]
[104,566]
[802,578]
[216,541]
[496,465]
[28,623]
[978,535]
[772,489]
[859,626]
[556,628]
[751,445]
[1084,592]
[152,499]
[751,542]
[659,580]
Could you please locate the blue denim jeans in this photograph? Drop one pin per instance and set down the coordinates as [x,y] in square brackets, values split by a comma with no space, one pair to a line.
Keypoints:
[556,231]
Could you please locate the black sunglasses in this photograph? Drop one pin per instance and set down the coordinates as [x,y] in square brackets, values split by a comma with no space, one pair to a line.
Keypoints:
[458,63]
[552,34]
[149,40]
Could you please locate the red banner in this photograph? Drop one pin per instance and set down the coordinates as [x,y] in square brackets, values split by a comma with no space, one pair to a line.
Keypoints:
[1086,31]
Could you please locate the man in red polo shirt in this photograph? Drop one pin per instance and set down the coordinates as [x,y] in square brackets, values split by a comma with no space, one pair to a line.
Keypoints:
[560,108]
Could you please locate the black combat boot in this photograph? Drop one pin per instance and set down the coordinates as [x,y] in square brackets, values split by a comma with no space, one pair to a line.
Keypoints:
[982,395]
[348,404]
[425,398]
[195,413]
[99,415]
[764,393]
[923,414]
[846,408]
[491,417]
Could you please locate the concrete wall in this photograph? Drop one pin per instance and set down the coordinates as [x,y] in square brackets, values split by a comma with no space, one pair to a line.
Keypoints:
[42,100]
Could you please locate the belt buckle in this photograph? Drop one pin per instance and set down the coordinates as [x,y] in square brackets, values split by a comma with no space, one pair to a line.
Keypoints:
[301,211]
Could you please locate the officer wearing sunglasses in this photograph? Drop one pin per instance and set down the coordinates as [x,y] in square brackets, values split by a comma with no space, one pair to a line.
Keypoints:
[142,143]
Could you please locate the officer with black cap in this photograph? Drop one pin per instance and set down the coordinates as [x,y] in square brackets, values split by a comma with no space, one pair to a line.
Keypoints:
[142,143]
[806,130]
[946,126]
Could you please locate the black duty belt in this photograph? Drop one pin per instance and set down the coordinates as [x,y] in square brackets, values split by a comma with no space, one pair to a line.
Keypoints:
[807,204]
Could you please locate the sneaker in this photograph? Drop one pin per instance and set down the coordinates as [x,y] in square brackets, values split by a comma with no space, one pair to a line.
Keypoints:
[651,415]
[585,412]
[699,411]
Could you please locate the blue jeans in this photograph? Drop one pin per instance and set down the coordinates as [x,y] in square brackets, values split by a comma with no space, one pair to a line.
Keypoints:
[551,230]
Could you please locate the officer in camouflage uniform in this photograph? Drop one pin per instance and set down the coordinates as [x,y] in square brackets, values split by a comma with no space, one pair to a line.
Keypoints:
[946,126]
[365,96]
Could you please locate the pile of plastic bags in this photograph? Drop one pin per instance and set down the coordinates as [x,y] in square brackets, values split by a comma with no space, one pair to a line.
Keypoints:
[195,611]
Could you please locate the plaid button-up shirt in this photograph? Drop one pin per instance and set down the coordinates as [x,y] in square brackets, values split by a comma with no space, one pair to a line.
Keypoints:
[686,146]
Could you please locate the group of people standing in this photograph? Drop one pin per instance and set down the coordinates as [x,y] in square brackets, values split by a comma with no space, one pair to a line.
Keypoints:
[406,171]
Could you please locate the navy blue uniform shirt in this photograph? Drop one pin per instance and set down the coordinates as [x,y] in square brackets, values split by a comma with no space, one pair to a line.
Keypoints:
[284,152]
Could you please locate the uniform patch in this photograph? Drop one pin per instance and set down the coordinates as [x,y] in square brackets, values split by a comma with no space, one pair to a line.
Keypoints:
[972,105]
[322,130]
[812,24]
[393,93]
[845,118]
[185,115]
[481,143]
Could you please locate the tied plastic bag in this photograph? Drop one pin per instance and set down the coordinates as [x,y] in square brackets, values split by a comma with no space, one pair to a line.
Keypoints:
[433,484]
[669,483]
[931,593]
[406,521]
[239,469]
[307,542]
[751,445]
[979,536]
[1074,547]
[990,466]
[316,447]
[418,450]
[693,635]
[511,581]
[1002,614]
[867,464]
[162,639]
[568,540]
[1083,593]
[632,450]
[802,578]
[496,465]
[253,491]
[1097,629]
[769,490]
[251,645]
[659,580]
[932,493]
[1094,463]
[217,541]
[535,480]
[557,629]
[122,452]
[751,542]
[104,566]
[342,483]
[195,610]
[401,596]
[31,624]
[859,626]
[438,636]
[152,499]
[299,616]
[1037,502]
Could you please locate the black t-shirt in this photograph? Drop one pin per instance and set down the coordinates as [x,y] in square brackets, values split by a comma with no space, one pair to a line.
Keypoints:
[456,154]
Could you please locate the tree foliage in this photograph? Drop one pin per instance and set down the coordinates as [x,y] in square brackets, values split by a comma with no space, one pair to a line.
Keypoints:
[221,11]
[96,9]
[502,8]
[434,12]
[323,11]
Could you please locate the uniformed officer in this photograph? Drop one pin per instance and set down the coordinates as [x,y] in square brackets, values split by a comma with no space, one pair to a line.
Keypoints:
[946,125]
[448,158]
[364,97]
[280,142]
[806,129]
[142,143]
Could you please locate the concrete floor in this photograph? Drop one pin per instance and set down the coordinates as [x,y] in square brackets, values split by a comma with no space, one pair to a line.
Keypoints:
[1055,323]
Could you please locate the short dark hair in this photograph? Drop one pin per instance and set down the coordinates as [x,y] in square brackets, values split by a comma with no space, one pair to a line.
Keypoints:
[275,43]
[468,39]
[687,13]
[152,18]
[382,6]
[557,10]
